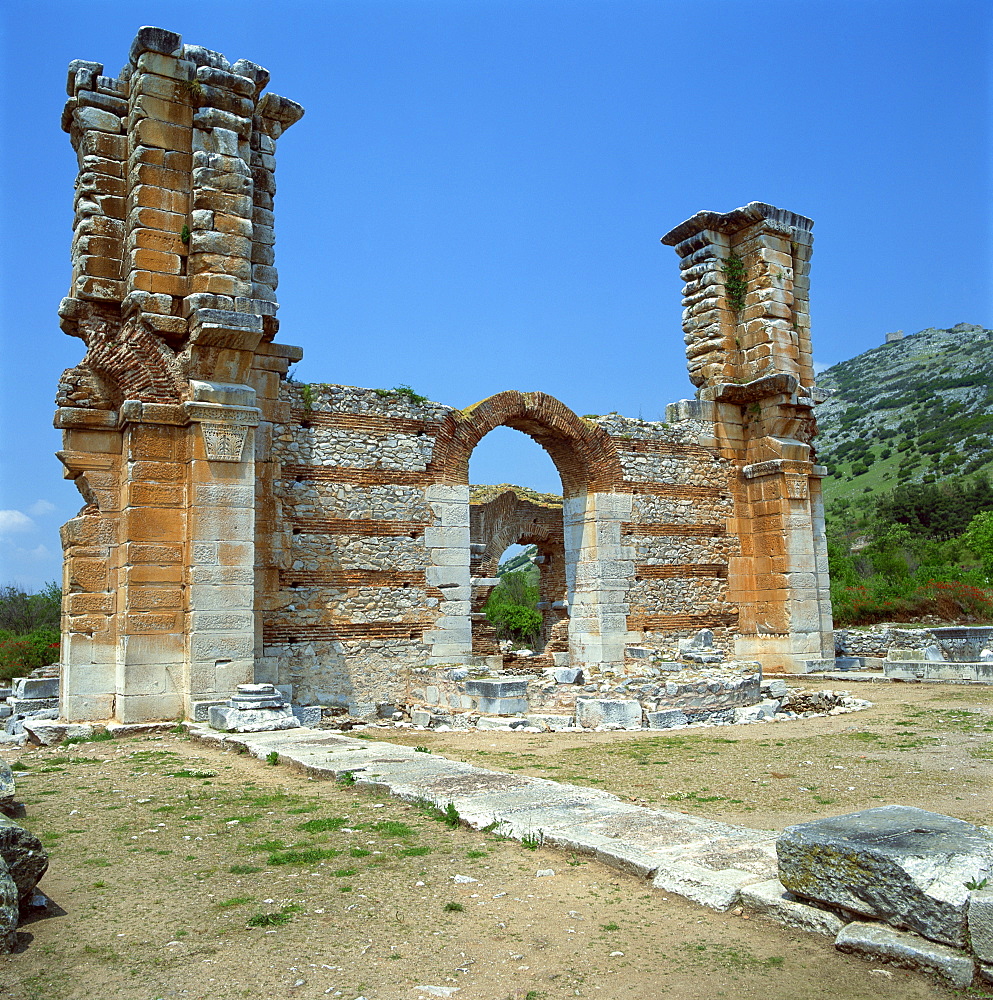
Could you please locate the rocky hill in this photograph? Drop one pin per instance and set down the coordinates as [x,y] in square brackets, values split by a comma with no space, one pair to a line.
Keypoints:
[918,409]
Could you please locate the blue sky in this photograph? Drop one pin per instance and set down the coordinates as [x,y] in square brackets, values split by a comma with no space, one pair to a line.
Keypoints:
[474,199]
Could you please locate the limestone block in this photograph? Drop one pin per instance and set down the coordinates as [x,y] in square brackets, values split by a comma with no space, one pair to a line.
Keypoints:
[216,646]
[200,708]
[230,720]
[593,712]
[222,524]
[772,899]
[147,707]
[6,786]
[451,556]
[497,687]
[79,707]
[96,119]
[878,941]
[667,719]
[981,923]
[902,865]
[451,536]
[35,687]
[307,715]
[222,621]
[165,65]
[222,495]
[717,888]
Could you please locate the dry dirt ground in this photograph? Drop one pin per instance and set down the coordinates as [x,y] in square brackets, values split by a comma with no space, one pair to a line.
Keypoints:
[181,870]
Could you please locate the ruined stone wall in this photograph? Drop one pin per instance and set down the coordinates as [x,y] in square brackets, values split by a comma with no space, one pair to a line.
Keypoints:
[166,420]
[237,527]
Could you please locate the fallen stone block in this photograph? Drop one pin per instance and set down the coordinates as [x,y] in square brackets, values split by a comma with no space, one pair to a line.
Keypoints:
[6,711]
[420,717]
[981,923]
[47,733]
[905,866]
[668,719]
[772,900]
[773,689]
[486,687]
[906,950]
[753,713]
[24,856]
[568,675]
[504,724]
[307,715]
[35,687]
[593,712]
[501,706]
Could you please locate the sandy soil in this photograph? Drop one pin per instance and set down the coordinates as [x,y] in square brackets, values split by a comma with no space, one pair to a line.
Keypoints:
[165,852]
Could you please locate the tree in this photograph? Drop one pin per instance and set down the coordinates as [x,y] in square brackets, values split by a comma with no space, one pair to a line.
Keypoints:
[513,608]
[979,537]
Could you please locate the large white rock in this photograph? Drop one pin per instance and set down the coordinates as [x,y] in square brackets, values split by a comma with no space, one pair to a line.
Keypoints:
[905,866]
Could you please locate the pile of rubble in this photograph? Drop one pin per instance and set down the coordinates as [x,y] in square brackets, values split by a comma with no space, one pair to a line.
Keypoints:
[28,701]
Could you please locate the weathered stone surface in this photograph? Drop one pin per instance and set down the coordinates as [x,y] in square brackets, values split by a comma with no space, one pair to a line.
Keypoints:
[981,923]
[906,950]
[35,687]
[234,720]
[9,910]
[668,719]
[24,855]
[593,712]
[773,900]
[7,789]
[898,864]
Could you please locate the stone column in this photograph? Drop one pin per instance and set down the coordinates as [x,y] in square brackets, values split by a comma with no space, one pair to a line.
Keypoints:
[599,572]
[447,545]
[220,632]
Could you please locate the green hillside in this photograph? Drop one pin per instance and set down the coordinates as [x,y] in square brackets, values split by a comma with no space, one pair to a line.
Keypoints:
[915,410]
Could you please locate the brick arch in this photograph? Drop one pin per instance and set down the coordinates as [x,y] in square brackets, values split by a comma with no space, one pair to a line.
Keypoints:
[582,451]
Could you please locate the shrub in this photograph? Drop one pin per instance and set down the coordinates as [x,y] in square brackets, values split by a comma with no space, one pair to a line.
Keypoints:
[20,654]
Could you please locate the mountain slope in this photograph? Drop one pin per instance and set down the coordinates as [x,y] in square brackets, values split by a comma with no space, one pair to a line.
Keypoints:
[915,410]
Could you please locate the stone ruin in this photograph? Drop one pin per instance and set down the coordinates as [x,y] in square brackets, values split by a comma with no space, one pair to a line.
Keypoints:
[242,528]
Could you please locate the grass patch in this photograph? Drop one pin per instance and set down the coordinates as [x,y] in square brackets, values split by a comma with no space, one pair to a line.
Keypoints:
[322,825]
[306,856]
[235,901]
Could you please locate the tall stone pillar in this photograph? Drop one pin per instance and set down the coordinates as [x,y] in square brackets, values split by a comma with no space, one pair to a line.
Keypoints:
[173,293]
[747,326]
[599,572]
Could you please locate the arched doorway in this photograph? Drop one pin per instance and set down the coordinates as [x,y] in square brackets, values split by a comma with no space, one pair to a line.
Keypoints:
[598,565]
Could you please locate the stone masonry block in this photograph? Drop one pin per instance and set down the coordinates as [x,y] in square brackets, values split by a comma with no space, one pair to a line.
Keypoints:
[981,923]
[905,866]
